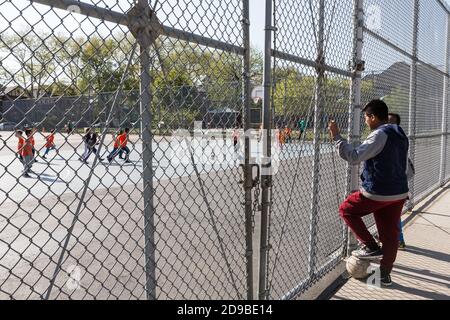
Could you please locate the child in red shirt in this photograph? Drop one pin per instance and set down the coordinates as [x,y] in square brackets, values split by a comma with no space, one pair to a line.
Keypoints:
[120,146]
[25,151]
[30,133]
[49,144]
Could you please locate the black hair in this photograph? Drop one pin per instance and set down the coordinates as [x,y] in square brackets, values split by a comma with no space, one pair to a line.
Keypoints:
[19,131]
[397,116]
[127,130]
[28,131]
[378,108]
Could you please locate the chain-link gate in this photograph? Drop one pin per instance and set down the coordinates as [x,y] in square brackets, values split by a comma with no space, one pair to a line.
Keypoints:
[310,86]
[169,220]
[156,184]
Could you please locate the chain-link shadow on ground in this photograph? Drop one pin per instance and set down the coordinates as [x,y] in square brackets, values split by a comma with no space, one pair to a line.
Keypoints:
[421,271]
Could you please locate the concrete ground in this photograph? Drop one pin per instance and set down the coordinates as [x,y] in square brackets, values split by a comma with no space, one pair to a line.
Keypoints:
[199,229]
[422,271]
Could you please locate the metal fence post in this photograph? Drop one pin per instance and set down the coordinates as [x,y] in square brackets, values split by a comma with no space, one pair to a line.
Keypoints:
[267,152]
[354,128]
[413,99]
[147,167]
[248,175]
[147,175]
[318,107]
[445,108]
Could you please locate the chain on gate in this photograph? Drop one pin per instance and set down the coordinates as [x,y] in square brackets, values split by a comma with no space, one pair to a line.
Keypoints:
[256,196]
[256,186]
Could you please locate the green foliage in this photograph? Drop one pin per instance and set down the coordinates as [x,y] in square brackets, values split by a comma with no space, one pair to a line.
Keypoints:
[397,100]
[35,58]
[295,94]
[187,79]
[61,89]
[103,63]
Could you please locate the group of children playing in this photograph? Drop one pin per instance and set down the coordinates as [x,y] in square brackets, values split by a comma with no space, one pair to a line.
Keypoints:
[27,152]
[90,140]
[283,135]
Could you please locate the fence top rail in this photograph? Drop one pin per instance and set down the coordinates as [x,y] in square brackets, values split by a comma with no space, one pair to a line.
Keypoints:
[94,11]
[309,63]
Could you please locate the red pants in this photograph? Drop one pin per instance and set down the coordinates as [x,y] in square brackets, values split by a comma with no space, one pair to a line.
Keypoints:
[387,215]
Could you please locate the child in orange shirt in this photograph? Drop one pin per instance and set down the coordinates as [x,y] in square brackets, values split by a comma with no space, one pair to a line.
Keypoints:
[120,146]
[49,144]
[30,133]
[280,136]
[123,140]
[288,134]
[20,144]
[25,150]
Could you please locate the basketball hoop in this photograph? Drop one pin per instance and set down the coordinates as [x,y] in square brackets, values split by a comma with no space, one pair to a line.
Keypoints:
[257,94]
[256,100]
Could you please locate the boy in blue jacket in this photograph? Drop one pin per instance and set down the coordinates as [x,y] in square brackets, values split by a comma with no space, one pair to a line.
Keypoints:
[384,188]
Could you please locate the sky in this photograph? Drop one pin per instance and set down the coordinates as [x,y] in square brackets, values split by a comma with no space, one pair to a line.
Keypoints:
[257,23]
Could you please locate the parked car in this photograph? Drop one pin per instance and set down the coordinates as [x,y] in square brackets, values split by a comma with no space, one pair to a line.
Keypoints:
[8,126]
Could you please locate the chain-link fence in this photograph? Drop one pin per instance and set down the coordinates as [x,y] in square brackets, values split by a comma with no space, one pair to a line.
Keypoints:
[408,67]
[327,56]
[135,163]
[163,222]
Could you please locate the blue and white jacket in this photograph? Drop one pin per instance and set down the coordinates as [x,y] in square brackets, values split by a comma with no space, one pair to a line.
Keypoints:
[386,165]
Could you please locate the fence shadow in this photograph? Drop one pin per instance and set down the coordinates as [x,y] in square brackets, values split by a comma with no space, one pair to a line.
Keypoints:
[425,205]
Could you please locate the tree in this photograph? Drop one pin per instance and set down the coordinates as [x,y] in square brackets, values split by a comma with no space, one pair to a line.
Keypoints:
[294,97]
[397,99]
[187,79]
[256,65]
[31,63]
[68,58]
[293,92]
